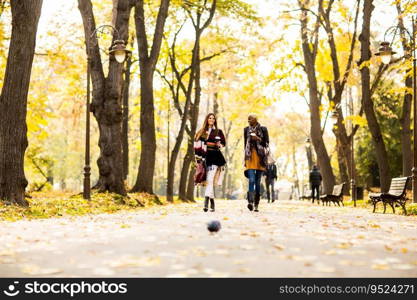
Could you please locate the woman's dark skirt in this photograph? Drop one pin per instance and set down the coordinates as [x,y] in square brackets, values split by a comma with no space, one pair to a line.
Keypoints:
[215,157]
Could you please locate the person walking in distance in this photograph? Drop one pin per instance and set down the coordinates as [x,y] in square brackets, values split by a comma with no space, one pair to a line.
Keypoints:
[256,140]
[207,143]
[270,177]
[315,182]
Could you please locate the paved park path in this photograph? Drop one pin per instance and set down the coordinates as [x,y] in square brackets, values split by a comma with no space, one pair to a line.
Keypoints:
[285,239]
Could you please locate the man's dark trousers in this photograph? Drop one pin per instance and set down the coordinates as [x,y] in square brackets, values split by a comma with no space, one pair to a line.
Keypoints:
[315,191]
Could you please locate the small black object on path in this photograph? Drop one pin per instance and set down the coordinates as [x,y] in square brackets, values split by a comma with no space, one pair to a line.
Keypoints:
[214,226]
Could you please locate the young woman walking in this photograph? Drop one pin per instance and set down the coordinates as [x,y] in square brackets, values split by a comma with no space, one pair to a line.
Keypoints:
[256,141]
[207,144]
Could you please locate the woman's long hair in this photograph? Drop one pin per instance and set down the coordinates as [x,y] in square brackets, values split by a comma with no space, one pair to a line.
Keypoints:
[205,126]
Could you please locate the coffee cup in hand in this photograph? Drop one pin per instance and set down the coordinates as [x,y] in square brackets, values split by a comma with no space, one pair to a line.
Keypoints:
[217,138]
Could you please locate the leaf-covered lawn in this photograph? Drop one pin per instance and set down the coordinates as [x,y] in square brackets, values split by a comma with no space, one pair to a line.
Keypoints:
[411,207]
[57,204]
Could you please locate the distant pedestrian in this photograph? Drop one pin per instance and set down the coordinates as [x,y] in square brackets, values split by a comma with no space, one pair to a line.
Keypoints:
[270,177]
[256,140]
[207,143]
[315,182]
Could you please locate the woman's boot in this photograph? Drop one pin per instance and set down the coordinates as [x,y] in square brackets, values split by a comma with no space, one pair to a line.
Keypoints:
[211,204]
[206,201]
[251,196]
[257,199]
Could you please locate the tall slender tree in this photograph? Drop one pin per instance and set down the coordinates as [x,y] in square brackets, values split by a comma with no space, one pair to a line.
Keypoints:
[196,14]
[13,100]
[125,123]
[368,105]
[176,86]
[310,47]
[147,62]
[337,87]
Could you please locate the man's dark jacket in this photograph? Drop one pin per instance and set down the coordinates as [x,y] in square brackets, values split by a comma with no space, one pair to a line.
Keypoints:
[271,171]
[315,177]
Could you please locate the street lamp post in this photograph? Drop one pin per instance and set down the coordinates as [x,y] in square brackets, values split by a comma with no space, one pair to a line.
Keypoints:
[386,52]
[120,52]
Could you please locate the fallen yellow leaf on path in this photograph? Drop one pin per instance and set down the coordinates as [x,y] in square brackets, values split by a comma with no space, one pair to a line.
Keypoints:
[380,267]
[279,247]
[344,245]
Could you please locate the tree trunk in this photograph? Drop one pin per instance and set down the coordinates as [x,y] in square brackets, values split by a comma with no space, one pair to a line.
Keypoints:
[191,186]
[147,62]
[343,148]
[147,133]
[381,153]
[107,97]
[173,160]
[195,108]
[405,120]
[182,190]
[171,168]
[323,159]
[344,153]
[13,100]
[343,168]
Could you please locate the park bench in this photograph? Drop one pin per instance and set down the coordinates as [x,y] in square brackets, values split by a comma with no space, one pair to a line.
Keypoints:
[336,196]
[395,195]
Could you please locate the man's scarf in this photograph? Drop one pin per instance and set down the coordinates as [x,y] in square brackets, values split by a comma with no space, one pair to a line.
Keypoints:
[259,148]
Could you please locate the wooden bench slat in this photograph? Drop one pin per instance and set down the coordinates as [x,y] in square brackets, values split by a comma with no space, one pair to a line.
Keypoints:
[396,192]
[397,189]
[397,184]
